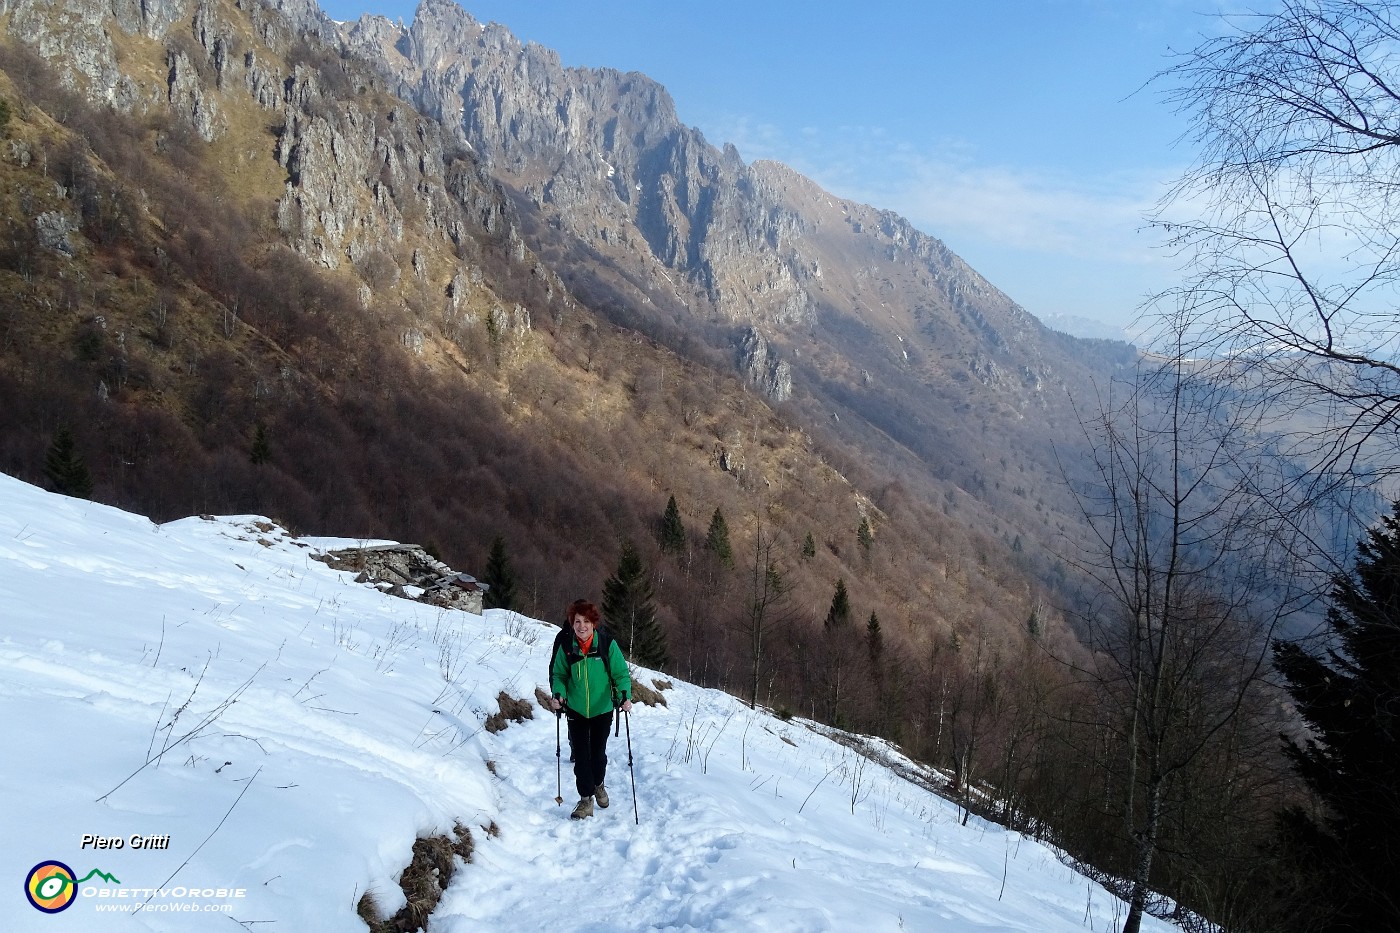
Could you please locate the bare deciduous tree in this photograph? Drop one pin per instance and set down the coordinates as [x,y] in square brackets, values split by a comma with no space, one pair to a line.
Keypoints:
[1189,559]
[1289,223]
[768,609]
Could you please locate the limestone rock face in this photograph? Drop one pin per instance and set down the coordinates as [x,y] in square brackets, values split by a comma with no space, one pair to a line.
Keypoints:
[763,370]
[603,154]
[412,154]
[352,172]
[52,229]
[78,38]
[601,158]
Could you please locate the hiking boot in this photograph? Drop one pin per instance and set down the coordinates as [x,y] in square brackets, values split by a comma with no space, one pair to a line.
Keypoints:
[600,794]
[584,809]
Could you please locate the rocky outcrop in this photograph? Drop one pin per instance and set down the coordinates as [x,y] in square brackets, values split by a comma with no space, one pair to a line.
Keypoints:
[354,171]
[53,228]
[409,572]
[763,369]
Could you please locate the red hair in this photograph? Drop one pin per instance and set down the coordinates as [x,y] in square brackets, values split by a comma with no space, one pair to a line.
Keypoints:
[582,607]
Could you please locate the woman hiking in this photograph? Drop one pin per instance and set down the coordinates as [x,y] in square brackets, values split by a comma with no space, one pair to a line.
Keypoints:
[588,678]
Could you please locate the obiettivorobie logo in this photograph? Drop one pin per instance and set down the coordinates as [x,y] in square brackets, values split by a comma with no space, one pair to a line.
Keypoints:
[52,886]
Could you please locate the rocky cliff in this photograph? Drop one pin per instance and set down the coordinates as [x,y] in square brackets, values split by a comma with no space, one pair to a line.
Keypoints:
[497,211]
[600,158]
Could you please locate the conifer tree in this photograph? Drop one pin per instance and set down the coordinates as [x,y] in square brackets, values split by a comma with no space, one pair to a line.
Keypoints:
[864,535]
[717,539]
[261,451]
[630,613]
[499,578]
[64,466]
[875,649]
[809,547]
[839,655]
[1349,696]
[874,639]
[839,615]
[672,529]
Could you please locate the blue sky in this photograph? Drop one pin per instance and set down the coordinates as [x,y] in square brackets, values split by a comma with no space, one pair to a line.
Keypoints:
[1017,131]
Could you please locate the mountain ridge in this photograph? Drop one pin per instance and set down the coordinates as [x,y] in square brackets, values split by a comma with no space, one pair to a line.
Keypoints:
[370,270]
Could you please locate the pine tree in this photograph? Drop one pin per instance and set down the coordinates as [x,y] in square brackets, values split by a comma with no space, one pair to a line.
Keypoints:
[672,529]
[64,466]
[261,451]
[864,535]
[630,613]
[809,547]
[499,578]
[1350,698]
[717,539]
[874,639]
[839,615]
[875,649]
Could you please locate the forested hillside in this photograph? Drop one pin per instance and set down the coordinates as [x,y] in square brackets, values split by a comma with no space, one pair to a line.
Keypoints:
[422,283]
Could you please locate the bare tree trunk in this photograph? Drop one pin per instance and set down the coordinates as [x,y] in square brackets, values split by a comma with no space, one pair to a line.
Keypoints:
[1190,573]
[768,607]
[1146,850]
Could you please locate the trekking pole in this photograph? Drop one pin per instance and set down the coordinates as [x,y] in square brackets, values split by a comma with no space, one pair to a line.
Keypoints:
[558,768]
[627,716]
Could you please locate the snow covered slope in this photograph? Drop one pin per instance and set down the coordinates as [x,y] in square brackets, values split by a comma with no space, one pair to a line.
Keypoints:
[312,728]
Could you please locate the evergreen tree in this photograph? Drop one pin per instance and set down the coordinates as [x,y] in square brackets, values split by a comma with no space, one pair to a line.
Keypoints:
[839,615]
[499,577]
[64,466]
[874,639]
[809,547]
[261,451]
[717,539]
[672,529]
[630,613]
[864,535]
[875,649]
[1350,698]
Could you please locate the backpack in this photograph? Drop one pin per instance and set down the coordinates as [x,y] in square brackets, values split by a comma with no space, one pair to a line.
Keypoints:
[564,642]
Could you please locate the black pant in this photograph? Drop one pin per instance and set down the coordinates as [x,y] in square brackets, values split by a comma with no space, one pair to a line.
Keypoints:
[588,740]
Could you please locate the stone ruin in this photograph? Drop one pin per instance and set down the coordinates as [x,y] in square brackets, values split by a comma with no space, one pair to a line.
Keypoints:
[409,572]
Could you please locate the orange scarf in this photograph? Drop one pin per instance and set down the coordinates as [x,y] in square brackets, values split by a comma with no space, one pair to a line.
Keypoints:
[583,646]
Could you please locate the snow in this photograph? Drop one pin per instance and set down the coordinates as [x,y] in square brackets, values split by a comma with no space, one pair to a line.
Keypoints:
[312,727]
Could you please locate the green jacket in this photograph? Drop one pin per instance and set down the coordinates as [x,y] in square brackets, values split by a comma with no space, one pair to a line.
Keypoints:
[583,681]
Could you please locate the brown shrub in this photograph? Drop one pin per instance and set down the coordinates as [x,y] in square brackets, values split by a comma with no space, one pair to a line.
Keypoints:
[511,710]
[423,882]
[644,694]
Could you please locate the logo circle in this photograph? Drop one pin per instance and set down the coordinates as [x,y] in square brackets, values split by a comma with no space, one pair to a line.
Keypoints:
[51,886]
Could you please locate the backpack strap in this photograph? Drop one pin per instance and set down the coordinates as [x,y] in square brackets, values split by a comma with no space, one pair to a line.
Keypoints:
[561,643]
[605,642]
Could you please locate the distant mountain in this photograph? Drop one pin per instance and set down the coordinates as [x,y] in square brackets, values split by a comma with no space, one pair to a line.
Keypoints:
[880,334]
[1085,328]
[423,282]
